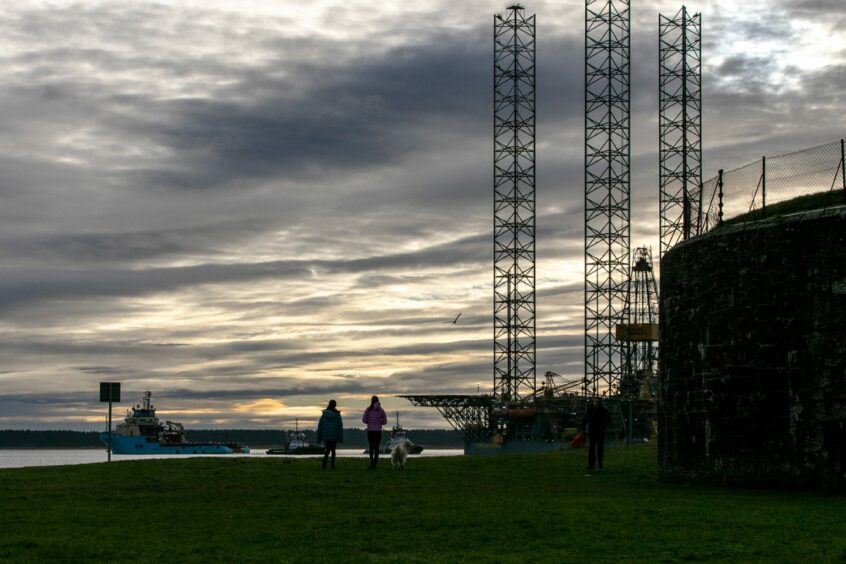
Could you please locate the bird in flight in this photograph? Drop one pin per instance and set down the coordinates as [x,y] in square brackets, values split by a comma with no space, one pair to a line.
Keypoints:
[454,321]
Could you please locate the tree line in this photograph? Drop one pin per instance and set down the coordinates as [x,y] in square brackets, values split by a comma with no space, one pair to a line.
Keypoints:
[256,438]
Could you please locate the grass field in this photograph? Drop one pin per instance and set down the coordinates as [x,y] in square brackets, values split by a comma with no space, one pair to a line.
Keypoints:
[820,200]
[542,508]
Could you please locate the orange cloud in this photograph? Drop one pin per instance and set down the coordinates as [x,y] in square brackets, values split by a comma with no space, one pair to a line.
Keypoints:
[263,406]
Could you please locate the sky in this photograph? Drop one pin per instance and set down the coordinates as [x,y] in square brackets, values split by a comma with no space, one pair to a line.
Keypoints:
[249,208]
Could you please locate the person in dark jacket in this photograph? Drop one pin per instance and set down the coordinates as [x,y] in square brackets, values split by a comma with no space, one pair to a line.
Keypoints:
[595,423]
[374,417]
[330,431]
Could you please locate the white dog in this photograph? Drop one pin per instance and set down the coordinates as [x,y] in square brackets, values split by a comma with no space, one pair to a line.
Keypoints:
[400,454]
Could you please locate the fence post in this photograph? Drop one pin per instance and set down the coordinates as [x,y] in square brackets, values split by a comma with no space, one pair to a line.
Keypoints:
[699,215]
[685,212]
[764,185]
[843,166]
[720,186]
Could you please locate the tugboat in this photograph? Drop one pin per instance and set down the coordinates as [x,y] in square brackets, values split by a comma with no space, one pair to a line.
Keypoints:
[297,444]
[141,432]
[398,436]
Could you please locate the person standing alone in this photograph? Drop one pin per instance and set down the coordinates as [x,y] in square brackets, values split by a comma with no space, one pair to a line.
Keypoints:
[596,422]
[330,430]
[374,417]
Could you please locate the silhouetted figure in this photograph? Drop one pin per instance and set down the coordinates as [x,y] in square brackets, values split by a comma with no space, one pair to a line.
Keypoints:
[330,430]
[596,422]
[374,417]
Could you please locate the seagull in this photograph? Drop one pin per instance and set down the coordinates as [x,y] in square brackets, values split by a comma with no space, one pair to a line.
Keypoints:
[454,321]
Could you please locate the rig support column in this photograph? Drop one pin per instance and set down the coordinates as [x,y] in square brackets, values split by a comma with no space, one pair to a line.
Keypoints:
[514,205]
[607,181]
[679,126]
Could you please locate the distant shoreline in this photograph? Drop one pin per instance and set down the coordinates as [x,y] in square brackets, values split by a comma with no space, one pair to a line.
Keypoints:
[255,438]
[5,447]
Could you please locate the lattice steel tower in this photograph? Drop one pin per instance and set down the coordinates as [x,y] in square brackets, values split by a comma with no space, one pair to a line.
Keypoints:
[679,126]
[640,335]
[607,156]
[514,204]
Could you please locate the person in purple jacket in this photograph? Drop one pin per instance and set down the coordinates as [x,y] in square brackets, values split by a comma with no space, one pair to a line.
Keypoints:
[374,417]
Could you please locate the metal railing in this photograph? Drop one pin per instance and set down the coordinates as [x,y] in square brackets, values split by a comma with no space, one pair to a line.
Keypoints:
[770,180]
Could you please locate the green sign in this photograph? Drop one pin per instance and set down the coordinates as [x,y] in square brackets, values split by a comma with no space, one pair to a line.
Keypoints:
[110,392]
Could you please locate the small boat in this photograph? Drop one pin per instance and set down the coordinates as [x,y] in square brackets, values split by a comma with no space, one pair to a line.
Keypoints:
[141,432]
[297,444]
[398,436]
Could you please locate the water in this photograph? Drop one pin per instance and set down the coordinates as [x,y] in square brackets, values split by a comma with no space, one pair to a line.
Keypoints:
[22,458]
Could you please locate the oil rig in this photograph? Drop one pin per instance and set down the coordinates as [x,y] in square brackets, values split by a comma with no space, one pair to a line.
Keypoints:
[621,296]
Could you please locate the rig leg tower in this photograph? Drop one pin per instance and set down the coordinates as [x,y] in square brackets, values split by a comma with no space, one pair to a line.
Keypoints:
[679,127]
[514,205]
[607,181]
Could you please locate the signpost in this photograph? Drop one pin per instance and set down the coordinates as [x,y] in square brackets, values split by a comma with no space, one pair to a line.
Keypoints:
[110,392]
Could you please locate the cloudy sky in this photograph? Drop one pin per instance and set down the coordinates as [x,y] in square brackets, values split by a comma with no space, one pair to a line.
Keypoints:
[250,207]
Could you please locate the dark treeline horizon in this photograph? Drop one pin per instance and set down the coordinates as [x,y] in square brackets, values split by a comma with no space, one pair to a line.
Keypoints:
[255,438]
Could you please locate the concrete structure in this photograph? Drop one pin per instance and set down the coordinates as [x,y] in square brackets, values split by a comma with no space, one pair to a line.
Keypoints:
[753,347]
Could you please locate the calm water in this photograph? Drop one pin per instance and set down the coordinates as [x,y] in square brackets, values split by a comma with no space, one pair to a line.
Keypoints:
[54,457]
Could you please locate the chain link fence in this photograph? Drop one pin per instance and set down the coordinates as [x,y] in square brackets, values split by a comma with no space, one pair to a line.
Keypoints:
[769,181]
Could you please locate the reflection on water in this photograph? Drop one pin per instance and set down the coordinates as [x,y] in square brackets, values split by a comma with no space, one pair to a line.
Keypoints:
[14,458]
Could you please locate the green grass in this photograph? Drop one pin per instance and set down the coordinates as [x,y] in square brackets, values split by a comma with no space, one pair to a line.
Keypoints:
[817,201]
[541,508]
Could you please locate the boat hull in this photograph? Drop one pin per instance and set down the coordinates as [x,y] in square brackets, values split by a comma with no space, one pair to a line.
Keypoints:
[139,445]
[297,451]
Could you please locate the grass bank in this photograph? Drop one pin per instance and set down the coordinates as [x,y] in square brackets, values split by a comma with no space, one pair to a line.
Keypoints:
[818,201]
[541,508]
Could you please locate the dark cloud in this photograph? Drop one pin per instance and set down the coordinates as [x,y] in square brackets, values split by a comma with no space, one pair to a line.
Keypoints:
[291,116]
[19,287]
[127,247]
[830,11]
[749,69]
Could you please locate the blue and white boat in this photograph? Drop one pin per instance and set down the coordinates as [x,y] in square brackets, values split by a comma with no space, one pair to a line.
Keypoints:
[141,432]
[297,444]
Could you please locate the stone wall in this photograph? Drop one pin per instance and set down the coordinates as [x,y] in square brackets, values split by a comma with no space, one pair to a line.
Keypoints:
[753,354]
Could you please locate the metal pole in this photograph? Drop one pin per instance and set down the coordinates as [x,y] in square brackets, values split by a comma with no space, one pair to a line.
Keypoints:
[497,392]
[843,166]
[512,292]
[510,341]
[699,215]
[685,190]
[720,186]
[764,184]
[110,429]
